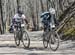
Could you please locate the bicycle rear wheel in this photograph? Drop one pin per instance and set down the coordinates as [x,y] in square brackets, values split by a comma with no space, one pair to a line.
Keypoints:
[54,41]
[25,40]
[45,43]
[16,37]
[45,40]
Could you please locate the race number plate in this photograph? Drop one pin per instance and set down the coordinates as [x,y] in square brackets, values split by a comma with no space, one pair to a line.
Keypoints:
[52,25]
[22,25]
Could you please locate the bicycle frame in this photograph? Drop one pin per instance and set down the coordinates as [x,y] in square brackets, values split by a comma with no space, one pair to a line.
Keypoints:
[19,28]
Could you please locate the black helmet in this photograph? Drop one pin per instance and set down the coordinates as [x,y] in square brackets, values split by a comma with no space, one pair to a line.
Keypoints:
[20,12]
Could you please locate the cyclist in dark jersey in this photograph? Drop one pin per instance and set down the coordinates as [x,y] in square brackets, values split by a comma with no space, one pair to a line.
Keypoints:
[48,17]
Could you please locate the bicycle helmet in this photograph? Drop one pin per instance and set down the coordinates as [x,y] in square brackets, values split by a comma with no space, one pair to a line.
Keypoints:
[19,12]
[52,10]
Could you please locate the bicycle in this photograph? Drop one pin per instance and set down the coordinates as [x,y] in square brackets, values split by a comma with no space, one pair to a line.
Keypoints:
[20,34]
[51,37]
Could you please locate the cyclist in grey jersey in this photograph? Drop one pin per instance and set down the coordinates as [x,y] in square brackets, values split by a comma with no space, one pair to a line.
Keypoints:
[18,15]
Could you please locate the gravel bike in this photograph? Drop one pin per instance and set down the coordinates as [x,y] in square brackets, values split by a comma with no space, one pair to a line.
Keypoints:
[51,37]
[20,34]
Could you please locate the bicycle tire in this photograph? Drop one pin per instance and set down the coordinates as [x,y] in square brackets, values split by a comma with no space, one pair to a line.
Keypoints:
[26,41]
[16,37]
[51,42]
[45,43]
[45,40]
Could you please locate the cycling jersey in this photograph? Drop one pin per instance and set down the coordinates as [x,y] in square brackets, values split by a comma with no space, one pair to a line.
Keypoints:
[16,16]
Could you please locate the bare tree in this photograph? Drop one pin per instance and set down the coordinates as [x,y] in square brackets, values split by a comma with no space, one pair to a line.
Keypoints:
[37,10]
[1,16]
[42,7]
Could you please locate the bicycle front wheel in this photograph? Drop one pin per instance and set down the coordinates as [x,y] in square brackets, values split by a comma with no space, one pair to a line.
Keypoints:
[54,41]
[26,40]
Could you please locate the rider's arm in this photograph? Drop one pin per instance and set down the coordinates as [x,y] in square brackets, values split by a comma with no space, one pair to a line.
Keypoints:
[15,16]
[12,22]
[57,22]
[23,16]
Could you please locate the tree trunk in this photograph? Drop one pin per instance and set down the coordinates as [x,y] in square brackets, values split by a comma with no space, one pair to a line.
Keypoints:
[42,6]
[37,15]
[2,17]
[18,6]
